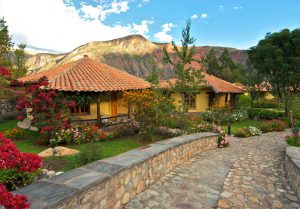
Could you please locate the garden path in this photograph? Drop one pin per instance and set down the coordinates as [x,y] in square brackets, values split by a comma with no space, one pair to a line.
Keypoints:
[248,174]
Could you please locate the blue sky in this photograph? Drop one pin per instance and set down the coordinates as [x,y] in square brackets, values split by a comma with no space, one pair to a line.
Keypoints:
[62,25]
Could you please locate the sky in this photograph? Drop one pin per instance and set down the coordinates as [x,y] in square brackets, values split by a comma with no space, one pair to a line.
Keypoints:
[62,25]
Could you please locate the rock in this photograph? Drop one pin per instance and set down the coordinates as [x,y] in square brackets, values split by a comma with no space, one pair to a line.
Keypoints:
[254,199]
[225,194]
[223,204]
[166,131]
[51,174]
[277,204]
[46,153]
[62,151]
[58,151]
[25,124]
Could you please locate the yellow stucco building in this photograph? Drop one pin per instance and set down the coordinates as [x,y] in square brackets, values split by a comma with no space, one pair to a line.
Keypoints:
[216,93]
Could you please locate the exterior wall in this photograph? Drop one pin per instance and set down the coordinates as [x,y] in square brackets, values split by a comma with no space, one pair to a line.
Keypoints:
[202,101]
[105,107]
[112,182]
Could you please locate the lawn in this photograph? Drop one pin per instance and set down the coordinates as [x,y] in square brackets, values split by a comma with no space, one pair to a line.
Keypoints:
[108,149]
[241,124]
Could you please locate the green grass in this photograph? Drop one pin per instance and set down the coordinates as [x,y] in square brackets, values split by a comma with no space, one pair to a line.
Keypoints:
[8,125]
[241,124]
[293,141]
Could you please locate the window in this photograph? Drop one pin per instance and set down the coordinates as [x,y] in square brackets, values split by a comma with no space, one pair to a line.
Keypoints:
[80,109]
[211,99]
[190,100]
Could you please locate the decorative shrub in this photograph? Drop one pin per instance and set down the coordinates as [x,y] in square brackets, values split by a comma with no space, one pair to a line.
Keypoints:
[242,132]
[17,169]
[47,108]
[223,115]
[11,201]
[77,134]
[126,128]
[265,114]
[265,104]
[90,154]
[150,109]
[223,140]
[14,133]
[244,101]
[273,125]
[247,132]
[293,141]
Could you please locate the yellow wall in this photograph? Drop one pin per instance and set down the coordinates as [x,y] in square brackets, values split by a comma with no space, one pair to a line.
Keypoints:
[269,96]
[105,107]
[202,101]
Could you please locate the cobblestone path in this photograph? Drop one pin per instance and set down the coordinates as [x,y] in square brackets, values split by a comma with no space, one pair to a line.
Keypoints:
[248,174]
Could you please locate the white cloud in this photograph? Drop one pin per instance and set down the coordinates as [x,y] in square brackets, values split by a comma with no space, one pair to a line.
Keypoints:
[143,2]
[58,25]
[143,28]
[221,7]
[237,7]
[204,16]
[195,16]
[163,35]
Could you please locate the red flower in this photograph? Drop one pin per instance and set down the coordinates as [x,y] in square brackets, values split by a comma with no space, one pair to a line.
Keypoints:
[10,201]
[20,117]
[5,72]
[72,104]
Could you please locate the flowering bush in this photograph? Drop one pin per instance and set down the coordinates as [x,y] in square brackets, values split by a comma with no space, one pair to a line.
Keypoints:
[248,131]
[150,109]
[14,133]
[16,168]
[126,128]
[76,134]
[239,115]
[11,201]
[273,125]
[223,140]
[222,116]
[47,108]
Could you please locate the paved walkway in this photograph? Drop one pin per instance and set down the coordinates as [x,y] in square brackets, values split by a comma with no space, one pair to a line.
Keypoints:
[248,174]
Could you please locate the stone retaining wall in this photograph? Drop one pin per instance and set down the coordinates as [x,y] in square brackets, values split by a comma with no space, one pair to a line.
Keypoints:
[112,182]
[292,167]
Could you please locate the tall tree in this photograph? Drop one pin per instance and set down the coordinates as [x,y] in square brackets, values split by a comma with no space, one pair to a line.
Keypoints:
[5,44]
[189,79]
[277,57]
[211,63]
[20,68]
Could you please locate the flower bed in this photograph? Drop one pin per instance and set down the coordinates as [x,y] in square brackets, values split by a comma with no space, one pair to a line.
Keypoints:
[273,125]
[247,132]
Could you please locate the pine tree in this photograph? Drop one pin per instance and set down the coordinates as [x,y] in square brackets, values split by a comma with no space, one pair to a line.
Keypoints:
[20,69]
[5,45]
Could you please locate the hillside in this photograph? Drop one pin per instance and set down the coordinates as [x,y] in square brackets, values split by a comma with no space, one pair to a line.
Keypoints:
[134,54]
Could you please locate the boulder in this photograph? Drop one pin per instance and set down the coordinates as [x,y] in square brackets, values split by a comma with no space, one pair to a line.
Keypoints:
[58,151]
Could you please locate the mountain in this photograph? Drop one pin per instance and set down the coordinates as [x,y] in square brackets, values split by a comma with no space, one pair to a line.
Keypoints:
[134,54]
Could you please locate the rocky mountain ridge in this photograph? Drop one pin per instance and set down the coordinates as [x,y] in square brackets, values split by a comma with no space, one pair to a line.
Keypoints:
[134,54]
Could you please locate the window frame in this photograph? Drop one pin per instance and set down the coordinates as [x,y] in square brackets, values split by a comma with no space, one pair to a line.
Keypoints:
[79,107]
[190,100]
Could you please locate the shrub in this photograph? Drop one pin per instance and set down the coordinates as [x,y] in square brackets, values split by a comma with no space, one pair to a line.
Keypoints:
[273,125]
[242,132]
[265,114]
[14,133]
[77,134]
[247,132]
[17,169]
[223,115]
[91,153]
[265,104]
[223,140]
[244,101]
[126,128]
[150,109]
[11,201]
[293,141]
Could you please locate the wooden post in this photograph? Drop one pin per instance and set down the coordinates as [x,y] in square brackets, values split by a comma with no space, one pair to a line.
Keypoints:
[99,121]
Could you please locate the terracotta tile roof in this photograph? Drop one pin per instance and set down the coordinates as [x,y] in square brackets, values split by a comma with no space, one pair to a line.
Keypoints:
[217,84]
[264,86]
[87,75]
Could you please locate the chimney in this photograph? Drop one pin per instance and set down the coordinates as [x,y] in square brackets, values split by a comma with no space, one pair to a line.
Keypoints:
[85,55]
